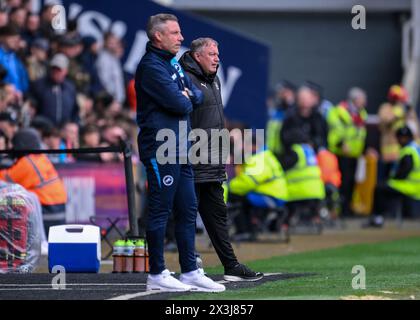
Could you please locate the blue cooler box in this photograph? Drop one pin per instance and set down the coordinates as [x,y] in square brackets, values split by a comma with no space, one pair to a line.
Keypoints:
[75,247]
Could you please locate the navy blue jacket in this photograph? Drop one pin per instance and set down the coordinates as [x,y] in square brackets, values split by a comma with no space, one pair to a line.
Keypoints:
[160,103]
[57,102]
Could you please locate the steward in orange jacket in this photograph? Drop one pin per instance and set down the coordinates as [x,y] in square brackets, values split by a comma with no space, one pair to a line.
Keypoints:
[330,171]
[37,174]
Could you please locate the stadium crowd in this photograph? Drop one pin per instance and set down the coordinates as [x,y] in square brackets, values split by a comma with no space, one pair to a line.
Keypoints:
[71,89]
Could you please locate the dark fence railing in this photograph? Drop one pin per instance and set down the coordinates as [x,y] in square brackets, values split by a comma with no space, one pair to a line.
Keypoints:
[125,148]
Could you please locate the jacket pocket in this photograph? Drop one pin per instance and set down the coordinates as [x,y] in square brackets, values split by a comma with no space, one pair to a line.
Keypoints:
[206,118]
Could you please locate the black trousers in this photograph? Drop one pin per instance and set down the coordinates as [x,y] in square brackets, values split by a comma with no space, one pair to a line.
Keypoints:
[348,170]
[309,207]
[213,212]
[386,200]
[243,221]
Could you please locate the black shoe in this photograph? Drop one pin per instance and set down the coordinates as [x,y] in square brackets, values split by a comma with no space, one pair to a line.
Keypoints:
[242,273]
[374,222]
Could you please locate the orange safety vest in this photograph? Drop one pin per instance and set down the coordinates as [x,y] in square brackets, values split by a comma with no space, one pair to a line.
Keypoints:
[37,174]
[330,172]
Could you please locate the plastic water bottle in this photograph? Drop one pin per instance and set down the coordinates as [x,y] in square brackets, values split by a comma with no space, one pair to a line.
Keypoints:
[129,256]
[141,257]
[118,256]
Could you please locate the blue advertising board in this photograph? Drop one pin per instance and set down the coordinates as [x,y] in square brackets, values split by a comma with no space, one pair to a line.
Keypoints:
[244,62]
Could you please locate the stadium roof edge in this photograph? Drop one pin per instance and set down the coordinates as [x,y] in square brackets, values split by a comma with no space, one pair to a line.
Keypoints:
[289,5]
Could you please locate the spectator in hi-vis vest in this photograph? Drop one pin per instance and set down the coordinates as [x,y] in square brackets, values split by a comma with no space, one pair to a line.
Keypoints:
[404,183]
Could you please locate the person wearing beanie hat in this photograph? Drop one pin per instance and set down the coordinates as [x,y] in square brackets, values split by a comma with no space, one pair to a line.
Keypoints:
[37,174]
[404,184]
[32,28]
[323,105]
[26,139]
[283,95]
[283,99]
[37,61]
[88,60]
[72,46]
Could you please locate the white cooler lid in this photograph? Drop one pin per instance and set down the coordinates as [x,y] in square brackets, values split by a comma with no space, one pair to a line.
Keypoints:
[76,233]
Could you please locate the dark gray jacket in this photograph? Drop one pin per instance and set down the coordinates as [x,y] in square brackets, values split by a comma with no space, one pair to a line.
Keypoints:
[208,116]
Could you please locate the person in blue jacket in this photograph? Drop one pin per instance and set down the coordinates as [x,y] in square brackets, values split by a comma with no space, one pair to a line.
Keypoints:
[166,97]
[16,72]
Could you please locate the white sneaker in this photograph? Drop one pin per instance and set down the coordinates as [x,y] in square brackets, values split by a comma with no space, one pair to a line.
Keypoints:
[199,282]
[165,282]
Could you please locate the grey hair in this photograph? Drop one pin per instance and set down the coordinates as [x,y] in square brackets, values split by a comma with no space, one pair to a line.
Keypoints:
[198,44]
[355,93]
[156,22]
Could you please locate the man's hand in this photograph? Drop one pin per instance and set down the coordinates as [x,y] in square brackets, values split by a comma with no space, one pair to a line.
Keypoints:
[185,93]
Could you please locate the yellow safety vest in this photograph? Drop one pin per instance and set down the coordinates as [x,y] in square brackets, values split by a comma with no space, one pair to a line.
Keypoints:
[304,179]
[409,186]
[393,149]
[342,129]
[225,187]
[262,173]
[273,130]
[399,113]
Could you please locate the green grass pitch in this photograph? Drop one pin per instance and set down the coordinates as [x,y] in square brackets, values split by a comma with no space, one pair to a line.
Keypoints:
[392,271]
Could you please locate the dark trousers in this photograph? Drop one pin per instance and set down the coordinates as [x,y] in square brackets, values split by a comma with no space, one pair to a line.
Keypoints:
[244,220]
[386,200]
[49,224]
[53,215]
[213,212]
[308,208]
[171,187]
[348,170]
[142,221]
[384,170]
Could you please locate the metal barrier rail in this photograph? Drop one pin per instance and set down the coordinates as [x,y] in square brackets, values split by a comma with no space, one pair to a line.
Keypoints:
[124,148]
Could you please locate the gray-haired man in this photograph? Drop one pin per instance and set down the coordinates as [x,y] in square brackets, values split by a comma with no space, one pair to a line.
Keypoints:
[166,97]
[201,64]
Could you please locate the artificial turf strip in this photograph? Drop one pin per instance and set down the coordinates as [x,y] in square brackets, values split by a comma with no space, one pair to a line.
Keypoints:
[393,267]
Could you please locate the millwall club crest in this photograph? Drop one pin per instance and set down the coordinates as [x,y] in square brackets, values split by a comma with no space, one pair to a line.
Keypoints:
[168,180]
